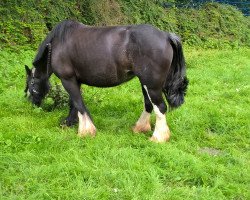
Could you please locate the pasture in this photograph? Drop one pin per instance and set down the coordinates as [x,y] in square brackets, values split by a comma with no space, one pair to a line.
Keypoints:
[207,156]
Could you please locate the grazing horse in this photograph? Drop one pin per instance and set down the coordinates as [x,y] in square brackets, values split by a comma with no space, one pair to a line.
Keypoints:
[108,56]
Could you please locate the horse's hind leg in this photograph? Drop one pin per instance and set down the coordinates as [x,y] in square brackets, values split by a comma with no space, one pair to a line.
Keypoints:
[86,125]
[143,123]
[161,132]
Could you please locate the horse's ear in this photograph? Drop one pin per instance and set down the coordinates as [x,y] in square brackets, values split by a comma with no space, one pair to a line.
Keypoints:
[28,70]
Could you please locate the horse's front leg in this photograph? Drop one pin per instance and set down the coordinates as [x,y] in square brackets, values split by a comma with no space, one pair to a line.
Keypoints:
[72,117]
[86,126]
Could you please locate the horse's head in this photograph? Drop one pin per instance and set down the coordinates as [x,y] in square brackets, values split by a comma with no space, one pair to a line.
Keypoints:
[37,86]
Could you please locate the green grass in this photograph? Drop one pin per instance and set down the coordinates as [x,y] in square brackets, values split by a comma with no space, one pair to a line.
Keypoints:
[207,156]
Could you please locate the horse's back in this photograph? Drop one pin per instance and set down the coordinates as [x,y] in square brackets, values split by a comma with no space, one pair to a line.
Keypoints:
[108,56]
[96,55]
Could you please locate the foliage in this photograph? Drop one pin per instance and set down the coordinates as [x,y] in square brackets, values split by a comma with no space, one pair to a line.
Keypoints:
[214,25]
[58,96]
[20,24]
[211,26]
[107,12]
[150,12]
[206,158]
[27,22]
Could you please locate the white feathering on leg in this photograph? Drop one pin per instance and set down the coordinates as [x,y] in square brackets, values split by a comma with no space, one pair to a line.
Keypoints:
[143,123]
[86,126]
[161,132]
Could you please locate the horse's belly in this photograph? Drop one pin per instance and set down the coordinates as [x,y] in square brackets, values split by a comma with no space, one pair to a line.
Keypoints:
[107,79]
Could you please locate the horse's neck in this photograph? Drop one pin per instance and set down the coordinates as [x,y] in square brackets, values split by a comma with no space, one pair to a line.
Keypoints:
[41,71]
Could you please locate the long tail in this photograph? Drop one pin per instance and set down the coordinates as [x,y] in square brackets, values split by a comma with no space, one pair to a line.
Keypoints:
[176,82]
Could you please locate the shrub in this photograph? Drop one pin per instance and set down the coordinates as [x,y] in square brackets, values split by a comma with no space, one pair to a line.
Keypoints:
[20,24]
[213,25]
[151,12]
[58,96]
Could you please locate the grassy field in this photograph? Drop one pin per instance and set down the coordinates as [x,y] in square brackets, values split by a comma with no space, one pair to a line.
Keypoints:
[207,157]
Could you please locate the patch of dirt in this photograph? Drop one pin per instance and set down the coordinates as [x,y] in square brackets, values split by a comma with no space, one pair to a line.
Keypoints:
[210,151]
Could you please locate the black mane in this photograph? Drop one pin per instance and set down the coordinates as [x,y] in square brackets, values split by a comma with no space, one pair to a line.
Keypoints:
[61,31]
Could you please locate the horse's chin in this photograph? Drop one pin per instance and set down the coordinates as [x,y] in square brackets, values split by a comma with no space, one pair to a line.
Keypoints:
[36,102]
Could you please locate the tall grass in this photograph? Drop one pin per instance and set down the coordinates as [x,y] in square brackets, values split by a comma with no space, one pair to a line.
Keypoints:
[206,158]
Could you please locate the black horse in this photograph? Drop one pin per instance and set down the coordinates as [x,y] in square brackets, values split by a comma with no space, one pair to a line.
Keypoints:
[108,56]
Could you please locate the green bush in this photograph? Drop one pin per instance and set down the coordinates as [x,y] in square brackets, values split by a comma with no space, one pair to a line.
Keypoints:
[20,24]
[211,26]
[27,22]
[58,97]
[214,25]
[151,12]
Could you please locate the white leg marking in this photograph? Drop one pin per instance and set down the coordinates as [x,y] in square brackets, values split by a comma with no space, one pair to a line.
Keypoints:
[145,87]
[161,132]
[86,126]
[143,123]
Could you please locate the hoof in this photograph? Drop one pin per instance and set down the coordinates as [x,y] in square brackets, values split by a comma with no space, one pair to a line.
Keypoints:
[90,132]
[162,139]
[141,129]
[86,126]
[68,122]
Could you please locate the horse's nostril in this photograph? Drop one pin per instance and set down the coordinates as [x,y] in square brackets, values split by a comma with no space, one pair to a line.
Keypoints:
[36,92]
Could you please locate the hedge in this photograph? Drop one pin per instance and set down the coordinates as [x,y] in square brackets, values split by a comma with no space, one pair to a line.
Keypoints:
[213,25]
